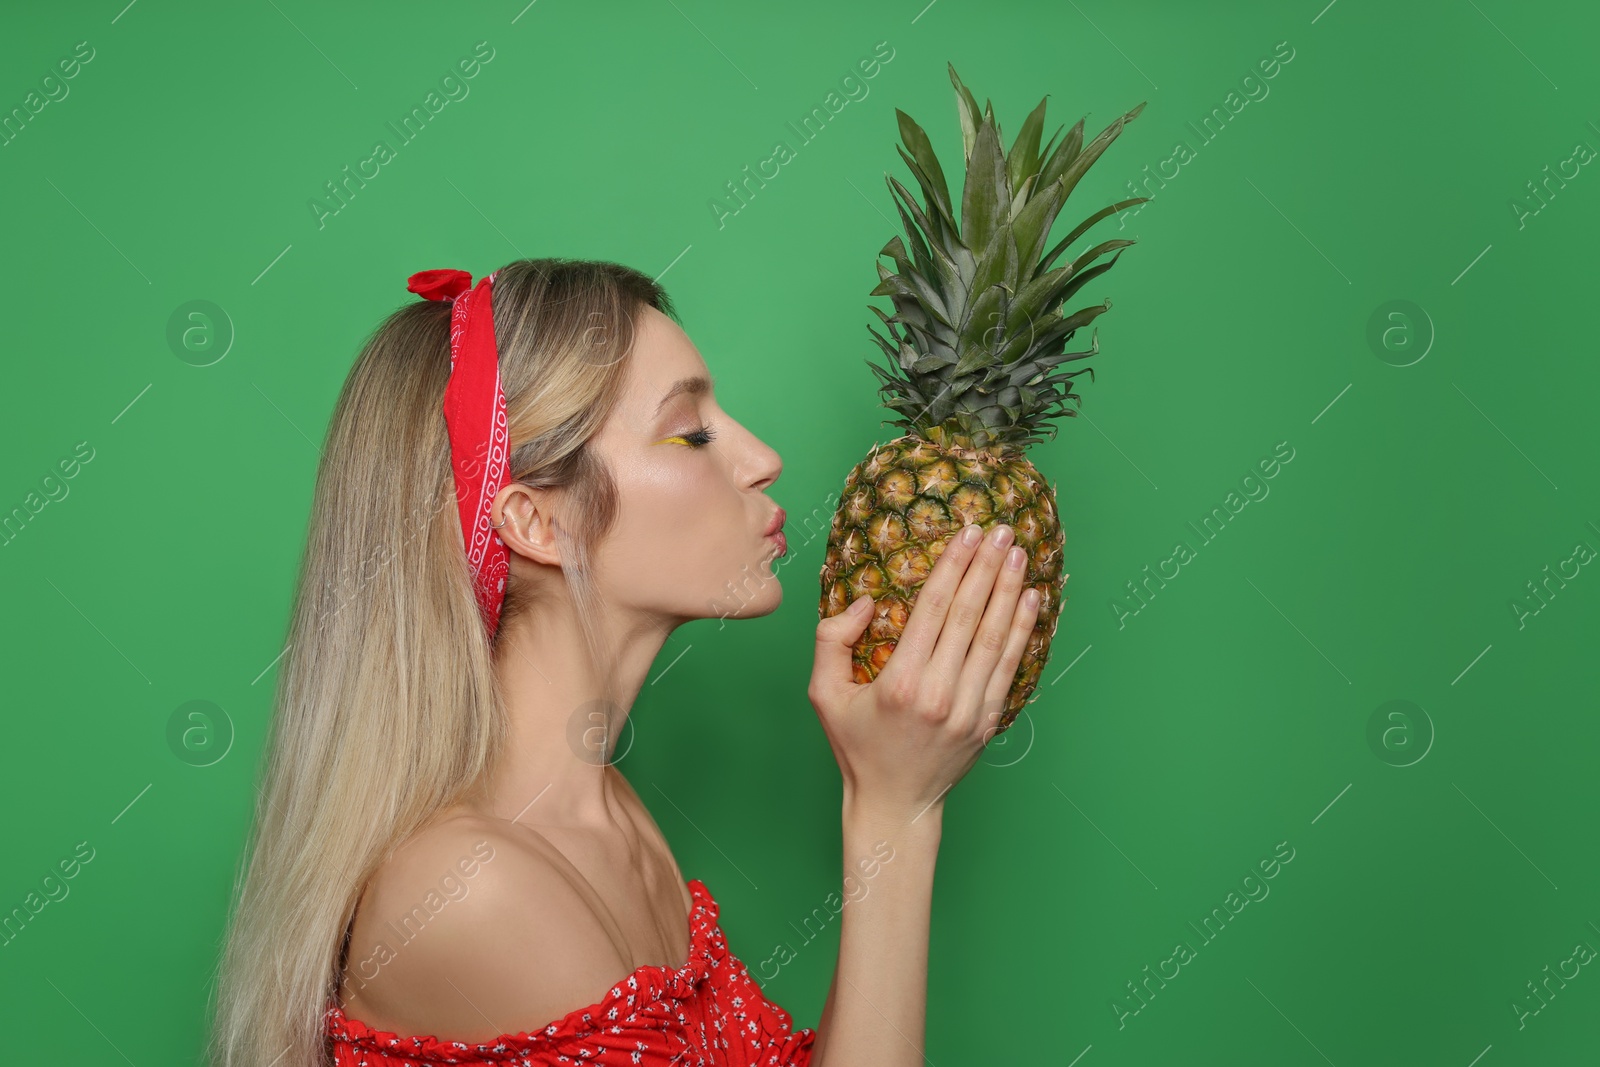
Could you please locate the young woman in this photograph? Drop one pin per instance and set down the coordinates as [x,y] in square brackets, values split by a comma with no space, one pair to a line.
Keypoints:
[445,866]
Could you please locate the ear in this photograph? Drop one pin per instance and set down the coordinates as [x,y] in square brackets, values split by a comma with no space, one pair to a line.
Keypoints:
[526,512]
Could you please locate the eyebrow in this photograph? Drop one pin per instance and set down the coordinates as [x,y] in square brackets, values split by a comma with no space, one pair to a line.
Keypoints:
[690,386]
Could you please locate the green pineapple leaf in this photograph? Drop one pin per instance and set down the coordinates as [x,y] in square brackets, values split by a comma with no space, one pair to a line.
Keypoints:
[1049,290]
[946,267]
[1044,153]
[1065,152]
[921,295]
[1023,159]
[896,248]
[1082,227]
[922,161]
[1083,277]
[1081,162]
[1032,224]
[985,197]
[967,107]
[1021,197]
[1060,328]
[1012,268]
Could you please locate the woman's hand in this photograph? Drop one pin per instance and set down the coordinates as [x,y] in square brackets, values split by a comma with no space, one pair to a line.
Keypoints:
[906,737]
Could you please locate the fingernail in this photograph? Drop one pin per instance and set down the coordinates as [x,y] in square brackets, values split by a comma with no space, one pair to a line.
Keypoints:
[1015,557]
[1002,535]
[859,603]
[970,535]
[1030,599]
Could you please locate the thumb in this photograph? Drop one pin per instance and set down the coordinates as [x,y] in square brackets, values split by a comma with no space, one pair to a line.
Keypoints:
[836,637]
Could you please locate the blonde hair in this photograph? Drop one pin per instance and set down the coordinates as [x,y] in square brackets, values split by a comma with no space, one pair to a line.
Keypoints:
[387,709]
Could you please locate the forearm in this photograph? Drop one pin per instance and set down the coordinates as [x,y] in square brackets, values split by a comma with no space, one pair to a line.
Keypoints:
[876,1011]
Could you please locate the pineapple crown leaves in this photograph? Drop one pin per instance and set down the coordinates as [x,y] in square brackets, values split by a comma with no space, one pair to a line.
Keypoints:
[979,326]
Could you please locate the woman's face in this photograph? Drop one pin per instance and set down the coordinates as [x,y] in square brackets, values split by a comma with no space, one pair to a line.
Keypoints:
[691,537]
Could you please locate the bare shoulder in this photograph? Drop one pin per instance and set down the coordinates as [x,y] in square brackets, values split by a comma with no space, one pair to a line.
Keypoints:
[471,929]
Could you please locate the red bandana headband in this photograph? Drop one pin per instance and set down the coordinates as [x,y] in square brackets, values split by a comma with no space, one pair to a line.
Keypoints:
[475,415]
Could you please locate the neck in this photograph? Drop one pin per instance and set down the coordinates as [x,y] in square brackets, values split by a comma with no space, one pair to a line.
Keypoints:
[567,715]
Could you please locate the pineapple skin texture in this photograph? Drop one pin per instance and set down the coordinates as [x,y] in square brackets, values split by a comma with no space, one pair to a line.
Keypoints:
[900,507]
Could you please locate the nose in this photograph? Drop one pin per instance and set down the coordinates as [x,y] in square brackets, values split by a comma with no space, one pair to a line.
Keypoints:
[759,465]
[768,465]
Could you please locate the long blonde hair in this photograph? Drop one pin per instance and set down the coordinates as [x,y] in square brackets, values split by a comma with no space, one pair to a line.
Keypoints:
[386,709]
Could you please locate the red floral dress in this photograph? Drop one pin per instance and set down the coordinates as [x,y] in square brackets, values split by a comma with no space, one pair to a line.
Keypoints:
[707,1013]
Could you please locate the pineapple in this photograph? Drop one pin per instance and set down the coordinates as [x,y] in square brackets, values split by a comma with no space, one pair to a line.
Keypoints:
[972,355]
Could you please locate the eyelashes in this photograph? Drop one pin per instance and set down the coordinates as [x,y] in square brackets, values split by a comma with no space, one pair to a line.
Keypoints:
[697,438]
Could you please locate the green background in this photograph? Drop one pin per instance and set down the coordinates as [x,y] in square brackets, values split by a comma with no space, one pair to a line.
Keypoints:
[1231,713]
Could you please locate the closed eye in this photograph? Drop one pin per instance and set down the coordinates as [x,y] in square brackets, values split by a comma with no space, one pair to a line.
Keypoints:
[696,438]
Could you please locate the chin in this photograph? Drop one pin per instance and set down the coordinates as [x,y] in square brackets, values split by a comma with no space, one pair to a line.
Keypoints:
[775,599]
[753,593]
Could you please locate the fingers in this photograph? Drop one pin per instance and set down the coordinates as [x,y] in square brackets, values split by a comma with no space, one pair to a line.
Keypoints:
[997,686]
[967,608]
[921,633]
[836,636]
[994,629]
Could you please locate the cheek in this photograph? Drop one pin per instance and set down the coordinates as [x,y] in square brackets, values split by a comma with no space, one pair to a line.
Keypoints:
[679,526]
[681,501]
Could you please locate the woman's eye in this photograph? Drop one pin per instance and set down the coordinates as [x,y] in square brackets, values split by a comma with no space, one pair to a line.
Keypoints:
[697,438]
